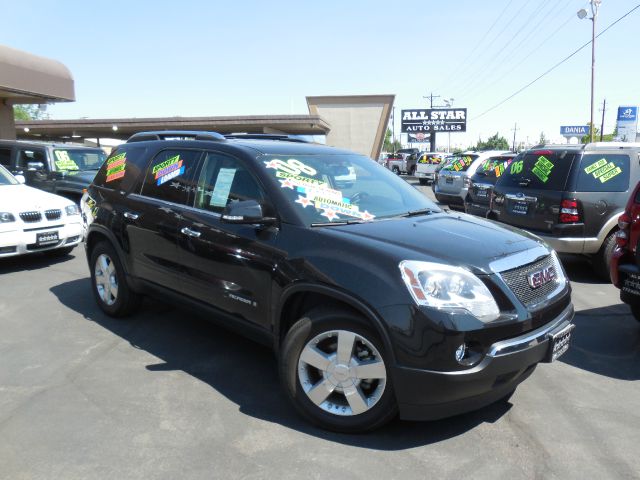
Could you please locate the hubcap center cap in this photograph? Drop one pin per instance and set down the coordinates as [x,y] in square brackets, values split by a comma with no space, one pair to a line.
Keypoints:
[340,375]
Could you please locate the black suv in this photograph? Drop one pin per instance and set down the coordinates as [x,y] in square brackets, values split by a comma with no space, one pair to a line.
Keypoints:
[480,195]
[570,195]
[61,168]
[375,301]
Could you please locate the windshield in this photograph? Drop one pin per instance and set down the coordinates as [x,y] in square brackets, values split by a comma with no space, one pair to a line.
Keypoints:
[344,188]
[539,169]
[6,178]
[460,163]
[79,159]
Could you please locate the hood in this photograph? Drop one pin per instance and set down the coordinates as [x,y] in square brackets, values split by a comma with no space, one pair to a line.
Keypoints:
[21,198]
[77,178]
[450,238]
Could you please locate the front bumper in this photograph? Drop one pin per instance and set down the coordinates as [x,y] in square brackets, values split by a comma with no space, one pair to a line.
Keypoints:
[428,176]
[20,242]
[476,209]
[430,395]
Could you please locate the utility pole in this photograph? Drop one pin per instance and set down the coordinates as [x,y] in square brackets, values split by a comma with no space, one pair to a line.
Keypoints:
[393,126]
[515,129]
[604,109]
[432,135]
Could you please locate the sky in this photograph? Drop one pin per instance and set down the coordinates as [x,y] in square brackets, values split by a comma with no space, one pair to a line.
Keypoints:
[210,58]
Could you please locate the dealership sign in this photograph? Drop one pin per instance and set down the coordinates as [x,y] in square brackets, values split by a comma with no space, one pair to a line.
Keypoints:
[434,120]
[627,124]
[574,130]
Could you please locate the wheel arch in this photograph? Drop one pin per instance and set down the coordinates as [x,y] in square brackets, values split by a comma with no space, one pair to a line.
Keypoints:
[300,298]
[95,235]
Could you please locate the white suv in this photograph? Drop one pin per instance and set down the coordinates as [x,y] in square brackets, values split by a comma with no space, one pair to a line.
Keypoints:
[32,220]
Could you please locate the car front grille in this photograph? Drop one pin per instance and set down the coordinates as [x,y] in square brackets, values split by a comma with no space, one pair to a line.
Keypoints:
[31,217]
[54,214]
[516,280]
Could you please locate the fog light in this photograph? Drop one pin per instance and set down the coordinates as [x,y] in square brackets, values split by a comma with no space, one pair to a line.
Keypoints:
[461,352]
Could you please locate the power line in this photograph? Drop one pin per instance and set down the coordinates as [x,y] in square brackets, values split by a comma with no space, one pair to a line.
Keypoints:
[555,66]
[455,70]
[502,67]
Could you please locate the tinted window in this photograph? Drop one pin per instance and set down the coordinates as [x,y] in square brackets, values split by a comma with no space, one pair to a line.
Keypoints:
[460,163]
[495,166]
[542,170]
[603,173]
[26,156]
[123,168]
[78,159]
[5,157]
[223,180]
[170,175]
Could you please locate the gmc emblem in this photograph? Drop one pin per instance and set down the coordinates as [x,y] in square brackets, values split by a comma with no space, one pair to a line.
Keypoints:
[541,277]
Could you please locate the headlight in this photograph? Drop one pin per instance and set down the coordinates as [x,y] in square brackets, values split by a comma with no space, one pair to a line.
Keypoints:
[447,288]
[72,210]
[6,217]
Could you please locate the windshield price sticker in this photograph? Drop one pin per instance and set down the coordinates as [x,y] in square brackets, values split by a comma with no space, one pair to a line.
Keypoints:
[167,170]
[516,167]
[603,170]
[461,163]
[63,162]
[542,168]
[116,166]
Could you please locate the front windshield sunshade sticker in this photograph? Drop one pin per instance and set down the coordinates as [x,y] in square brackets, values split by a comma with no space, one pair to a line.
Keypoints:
[116,166]
[223,187]
[63,162]
[291,166]
[542,168]
[167,170]
[331,209]
[603,170]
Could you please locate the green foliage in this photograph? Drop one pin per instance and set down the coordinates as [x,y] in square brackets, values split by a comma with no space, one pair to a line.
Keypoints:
[495,142]
[389,145]
[28,112]
[607,137]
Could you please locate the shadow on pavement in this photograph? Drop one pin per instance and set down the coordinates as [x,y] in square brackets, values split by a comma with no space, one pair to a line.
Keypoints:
[579,269]
[606,341]
[36,261]
[246,372]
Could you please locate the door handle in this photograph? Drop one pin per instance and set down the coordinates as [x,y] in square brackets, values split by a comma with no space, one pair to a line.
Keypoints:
[131,215]
[190,233]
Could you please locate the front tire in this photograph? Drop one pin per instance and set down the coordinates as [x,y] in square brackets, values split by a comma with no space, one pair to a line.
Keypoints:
[396,170]
[335,371]
[109,285]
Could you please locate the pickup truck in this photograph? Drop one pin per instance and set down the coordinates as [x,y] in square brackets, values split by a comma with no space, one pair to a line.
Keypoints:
[426,166]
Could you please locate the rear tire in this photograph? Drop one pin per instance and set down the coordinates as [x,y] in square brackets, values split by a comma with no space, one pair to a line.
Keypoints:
[423,181]
[327,384]
[113,294]
[602,260]
[396,170]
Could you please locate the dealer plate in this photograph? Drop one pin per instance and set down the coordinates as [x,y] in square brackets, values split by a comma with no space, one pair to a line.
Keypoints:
[631,284]
[559,343]
[520,208]
[481,192]
[448,179]
[47,238]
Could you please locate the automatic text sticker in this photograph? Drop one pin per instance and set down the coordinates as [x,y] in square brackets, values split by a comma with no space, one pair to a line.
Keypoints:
[603,170]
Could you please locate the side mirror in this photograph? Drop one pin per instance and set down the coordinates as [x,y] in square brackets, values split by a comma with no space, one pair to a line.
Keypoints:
[248,212]
[20,178]
[35,166]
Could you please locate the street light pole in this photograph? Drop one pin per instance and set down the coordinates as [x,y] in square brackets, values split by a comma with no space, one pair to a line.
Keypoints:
[595,4]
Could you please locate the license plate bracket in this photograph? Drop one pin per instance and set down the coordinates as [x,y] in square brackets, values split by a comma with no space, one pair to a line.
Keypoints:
[631,284]
[44,239]
[559,343]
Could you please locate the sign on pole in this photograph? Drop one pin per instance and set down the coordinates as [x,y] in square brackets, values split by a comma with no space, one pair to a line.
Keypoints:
[419,120]
[574,130]
[627,124]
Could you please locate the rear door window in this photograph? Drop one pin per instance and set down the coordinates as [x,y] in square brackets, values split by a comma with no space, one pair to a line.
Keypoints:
[123,168]
[539,170]
[170,174]
[28,156]
[603,173]
[460,164]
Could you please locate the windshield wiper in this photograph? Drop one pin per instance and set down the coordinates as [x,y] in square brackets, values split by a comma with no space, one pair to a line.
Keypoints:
[332,224]
[415,213]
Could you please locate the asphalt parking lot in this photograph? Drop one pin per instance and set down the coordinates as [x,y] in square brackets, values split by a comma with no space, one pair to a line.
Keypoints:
[167,395]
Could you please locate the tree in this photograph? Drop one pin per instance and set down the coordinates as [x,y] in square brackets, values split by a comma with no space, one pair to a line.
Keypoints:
[389,145]
[607,137]
[543,139]
[495,142]
[28,112]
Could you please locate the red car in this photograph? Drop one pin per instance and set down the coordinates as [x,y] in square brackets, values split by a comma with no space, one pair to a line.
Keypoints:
[625,262]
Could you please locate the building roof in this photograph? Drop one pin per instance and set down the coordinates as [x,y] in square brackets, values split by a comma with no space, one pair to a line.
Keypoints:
[28,78]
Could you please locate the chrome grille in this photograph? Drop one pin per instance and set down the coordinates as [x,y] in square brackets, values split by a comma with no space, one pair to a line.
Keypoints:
[54,214]
[31,217]
[516,280]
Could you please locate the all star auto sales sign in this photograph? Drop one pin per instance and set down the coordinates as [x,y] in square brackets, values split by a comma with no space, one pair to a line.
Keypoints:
[434,120]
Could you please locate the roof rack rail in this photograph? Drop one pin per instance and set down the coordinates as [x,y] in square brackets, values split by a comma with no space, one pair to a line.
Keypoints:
[175,135]
[265,136]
